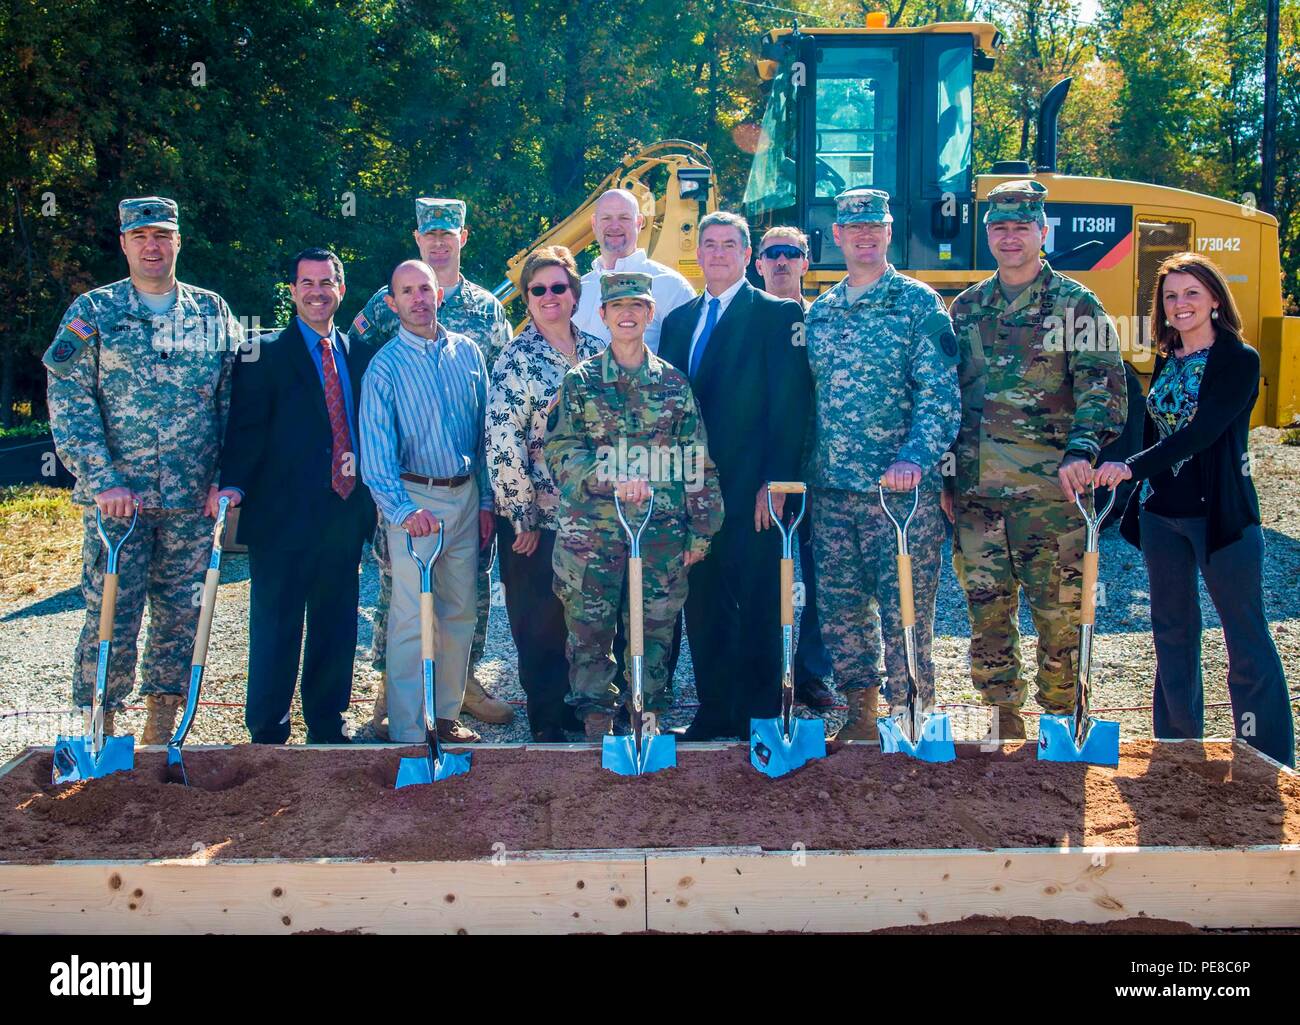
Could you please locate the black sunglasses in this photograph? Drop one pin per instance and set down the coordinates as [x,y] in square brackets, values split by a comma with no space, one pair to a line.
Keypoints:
[537,291]
[776,252]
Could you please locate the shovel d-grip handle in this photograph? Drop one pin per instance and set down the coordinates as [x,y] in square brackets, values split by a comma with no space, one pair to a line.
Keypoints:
[787,487]
[635,613]
[428,624]
[1091,552]
[108,603]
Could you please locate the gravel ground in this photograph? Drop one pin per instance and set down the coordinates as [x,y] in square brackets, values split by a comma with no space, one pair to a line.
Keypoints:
[38,633]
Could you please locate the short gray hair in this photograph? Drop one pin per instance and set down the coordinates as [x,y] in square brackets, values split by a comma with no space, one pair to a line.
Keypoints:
[730,220]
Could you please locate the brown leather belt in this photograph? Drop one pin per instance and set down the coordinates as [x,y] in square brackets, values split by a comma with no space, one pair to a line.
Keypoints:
[436,482]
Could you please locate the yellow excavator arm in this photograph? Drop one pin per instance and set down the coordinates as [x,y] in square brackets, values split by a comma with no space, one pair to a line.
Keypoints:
[671,217]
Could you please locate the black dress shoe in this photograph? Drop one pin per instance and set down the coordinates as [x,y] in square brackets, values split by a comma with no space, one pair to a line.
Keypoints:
[815,694]
[550,735]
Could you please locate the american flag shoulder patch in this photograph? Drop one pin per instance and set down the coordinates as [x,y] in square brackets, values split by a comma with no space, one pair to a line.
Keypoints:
[81,329]
[361,325]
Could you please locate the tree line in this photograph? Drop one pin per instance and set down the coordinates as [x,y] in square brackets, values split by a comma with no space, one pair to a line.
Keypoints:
[280,125]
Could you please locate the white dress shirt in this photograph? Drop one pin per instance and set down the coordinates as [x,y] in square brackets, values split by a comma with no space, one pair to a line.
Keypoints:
[669,289]
[724,300]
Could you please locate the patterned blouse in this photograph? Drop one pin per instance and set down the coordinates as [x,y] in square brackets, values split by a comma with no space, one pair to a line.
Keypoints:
[524,383]
[1173,399]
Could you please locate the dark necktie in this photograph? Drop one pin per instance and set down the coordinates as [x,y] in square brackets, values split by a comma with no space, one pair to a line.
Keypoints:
[710,322]
[341,482]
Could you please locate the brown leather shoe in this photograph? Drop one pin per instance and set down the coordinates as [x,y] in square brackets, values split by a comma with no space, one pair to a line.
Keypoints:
[453,731]
[1011,724]
[160,718]
[483,706]
[860,727]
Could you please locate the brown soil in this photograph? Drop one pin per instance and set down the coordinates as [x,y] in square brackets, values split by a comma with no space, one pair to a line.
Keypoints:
[265,802]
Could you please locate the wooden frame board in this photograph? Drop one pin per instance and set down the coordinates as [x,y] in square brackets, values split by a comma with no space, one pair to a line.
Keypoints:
[686,890]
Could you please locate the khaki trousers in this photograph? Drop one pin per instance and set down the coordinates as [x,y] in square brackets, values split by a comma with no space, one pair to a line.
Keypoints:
[454,576]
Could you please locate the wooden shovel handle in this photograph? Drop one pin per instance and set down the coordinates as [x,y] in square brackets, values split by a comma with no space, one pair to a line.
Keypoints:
[906,603]
[108,607]
[787,592]
[207,606]
[1088,606]
[635,613]
[787,487]
[428,627]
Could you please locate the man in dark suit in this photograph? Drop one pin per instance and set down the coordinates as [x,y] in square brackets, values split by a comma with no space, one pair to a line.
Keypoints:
[291,460]
[743,353]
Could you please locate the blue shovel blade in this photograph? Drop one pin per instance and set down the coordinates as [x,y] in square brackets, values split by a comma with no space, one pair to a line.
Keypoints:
[413,771]
[1056,741]
[73,760]
[934,744]
[618,754]
[772,755]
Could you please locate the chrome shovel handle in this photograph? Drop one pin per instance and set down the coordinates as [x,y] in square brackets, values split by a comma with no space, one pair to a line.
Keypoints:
[900,529]
[634,536]
[114,549]
[426,568]
[787,533]
[1093,520]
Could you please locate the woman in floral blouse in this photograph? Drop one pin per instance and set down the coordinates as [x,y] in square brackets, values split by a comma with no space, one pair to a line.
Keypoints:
[525,382]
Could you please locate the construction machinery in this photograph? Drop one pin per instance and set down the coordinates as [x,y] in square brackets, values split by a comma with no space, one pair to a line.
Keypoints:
[893,109]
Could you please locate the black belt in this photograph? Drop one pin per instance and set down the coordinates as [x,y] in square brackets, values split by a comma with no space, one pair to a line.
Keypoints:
[436,482]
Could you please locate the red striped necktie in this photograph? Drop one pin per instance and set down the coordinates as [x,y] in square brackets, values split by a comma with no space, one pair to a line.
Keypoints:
[343,469]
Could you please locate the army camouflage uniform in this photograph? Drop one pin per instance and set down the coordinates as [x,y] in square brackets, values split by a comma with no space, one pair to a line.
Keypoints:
[885,388]
[1030,397]
[140,400]
[469,310]
[601,409]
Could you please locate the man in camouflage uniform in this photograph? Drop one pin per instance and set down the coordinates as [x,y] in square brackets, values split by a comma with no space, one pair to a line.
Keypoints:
[139,389]
[1043,391]
[626,419]
[470,310]
[883,359]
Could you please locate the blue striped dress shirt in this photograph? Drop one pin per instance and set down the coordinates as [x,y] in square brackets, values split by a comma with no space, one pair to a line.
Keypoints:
[423,403]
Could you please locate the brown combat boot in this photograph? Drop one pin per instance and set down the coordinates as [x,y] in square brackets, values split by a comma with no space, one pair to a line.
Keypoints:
[597,725]
[376,730]
[160,718]
[861,723]
[483,706]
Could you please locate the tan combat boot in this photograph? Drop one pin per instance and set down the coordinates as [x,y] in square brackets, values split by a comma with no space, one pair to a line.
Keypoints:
[160,718]
[483,706]
[598,725]
[861,723]
[1011,724]
[376,730]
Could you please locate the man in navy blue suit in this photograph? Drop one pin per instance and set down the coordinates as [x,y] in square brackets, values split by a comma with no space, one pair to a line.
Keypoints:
[291,460]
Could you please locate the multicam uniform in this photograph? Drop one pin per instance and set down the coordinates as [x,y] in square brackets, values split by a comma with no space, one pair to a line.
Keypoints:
[885,388]
[1041,378]
[470,310]
[604,409]
[140,400]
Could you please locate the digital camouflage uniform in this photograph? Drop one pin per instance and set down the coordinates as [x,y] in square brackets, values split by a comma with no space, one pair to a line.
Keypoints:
[603,409]
[885,389]
[469,310]
[140,400]
[1041,377]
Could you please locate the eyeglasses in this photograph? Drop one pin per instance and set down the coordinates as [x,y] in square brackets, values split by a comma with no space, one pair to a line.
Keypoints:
[537,291]
[779,252]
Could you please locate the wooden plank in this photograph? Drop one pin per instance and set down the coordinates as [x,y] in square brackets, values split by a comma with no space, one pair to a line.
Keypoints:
[858,891]
[567,893]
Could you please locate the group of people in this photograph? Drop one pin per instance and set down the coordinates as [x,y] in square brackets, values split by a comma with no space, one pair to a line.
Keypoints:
[428,418]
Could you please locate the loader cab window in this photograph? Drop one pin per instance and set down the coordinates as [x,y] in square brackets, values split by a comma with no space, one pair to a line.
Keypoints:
[772,175]
[857,120]
[955,124]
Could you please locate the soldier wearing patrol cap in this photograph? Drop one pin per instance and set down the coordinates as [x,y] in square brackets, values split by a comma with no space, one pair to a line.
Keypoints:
[139,389]
[626,420]
[883,359]
[470,310]
[1043,391]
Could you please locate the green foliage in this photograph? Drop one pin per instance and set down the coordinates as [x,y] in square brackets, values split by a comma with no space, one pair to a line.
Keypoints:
[30,429]
[278,126]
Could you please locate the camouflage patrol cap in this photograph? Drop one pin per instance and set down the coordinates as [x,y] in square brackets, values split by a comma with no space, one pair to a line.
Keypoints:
[147,212]
[1017,201]
[865,206]
[628,284]
[439,214]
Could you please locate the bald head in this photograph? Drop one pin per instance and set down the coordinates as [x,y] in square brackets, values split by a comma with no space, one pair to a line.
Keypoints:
[616,222]
[413,294]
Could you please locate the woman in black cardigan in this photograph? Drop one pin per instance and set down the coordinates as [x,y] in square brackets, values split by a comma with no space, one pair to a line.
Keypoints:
[1196,510]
